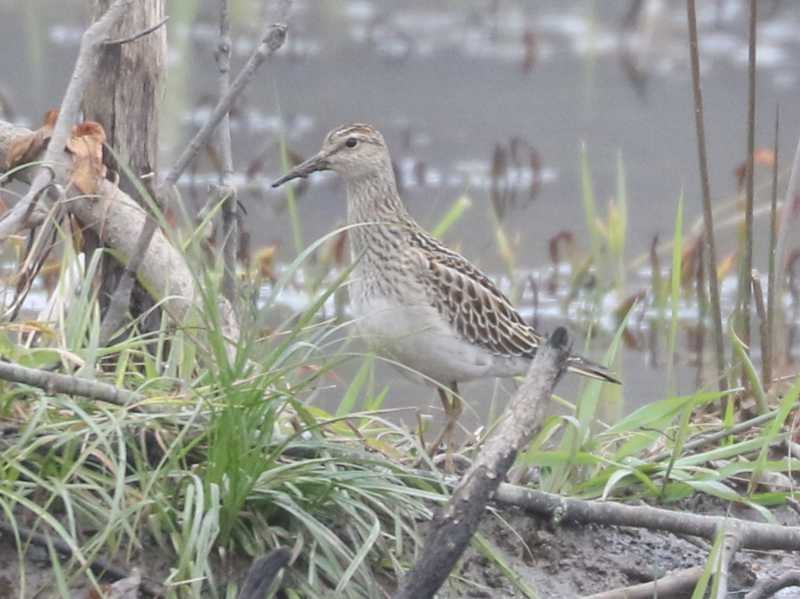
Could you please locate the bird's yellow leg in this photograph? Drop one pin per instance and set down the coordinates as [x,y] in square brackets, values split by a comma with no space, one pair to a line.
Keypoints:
[453,407]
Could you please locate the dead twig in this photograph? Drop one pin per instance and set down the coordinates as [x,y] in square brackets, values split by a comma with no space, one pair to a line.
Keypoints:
[754,535]
[763,327]
[54,382]
[453,526]
[226,192]
[672,586]
[708,218]
[140,34]
[767,587]
[768,349]
[731,543]
[786,231]
[707,438]
[745,287]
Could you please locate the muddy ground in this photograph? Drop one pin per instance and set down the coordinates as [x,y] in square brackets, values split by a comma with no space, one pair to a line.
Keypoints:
[572,561]
[566,562]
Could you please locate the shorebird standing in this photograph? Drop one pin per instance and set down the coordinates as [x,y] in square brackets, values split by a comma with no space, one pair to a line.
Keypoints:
[417,302]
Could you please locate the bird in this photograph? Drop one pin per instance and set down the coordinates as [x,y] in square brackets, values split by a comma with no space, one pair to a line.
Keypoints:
[417,302]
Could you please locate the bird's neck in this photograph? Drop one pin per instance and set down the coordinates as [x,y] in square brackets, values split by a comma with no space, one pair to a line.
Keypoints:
[375,211]
[373,197]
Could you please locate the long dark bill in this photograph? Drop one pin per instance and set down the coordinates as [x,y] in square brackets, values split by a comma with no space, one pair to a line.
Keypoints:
[319,162]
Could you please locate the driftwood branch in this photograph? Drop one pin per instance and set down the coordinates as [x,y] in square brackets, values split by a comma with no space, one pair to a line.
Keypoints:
[54,382]
[753,535]
[767,587]
[116,218]
[453,526]
[138,34]
[271,40]
[672,586]
[55,160]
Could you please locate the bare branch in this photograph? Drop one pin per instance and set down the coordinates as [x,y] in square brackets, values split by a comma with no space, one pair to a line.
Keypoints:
[768,351]
[226,192]
[787,230]
[732,541]
[704,439]
[677,584]
[54,382]
[754,535]
[708,218]
[140,34]
[453,527]
[767,587]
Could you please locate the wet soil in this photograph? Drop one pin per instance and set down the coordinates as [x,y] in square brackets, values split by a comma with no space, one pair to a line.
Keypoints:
[573,561]
[565,562]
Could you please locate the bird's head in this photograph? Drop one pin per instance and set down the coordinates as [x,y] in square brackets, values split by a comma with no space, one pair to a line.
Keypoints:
[353,151]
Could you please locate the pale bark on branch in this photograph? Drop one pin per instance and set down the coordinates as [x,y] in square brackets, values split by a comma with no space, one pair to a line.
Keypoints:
[672,586]
[753,535]
[767,587]
[54,382]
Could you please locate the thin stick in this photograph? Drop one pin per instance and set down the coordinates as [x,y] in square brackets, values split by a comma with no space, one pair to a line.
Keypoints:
[54,164]
[54,382]
[707,438]
[766,359]
[761,310]
[453,527]
[745,285]
[271,39]
[140,34]
[731,543]
[677,584]
[226,191]
[708,218]
[767,587]
[754,535]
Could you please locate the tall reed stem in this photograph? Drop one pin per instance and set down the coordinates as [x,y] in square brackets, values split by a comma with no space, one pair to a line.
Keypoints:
[708,218]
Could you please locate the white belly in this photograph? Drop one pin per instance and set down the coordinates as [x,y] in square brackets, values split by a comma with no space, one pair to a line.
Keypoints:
[424,344]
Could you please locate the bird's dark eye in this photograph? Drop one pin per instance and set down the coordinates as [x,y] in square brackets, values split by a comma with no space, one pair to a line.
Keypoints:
[351,142]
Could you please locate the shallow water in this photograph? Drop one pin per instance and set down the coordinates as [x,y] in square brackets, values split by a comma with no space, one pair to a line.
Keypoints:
[447,83]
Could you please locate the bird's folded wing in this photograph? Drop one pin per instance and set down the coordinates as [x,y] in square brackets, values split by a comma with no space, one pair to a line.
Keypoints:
[474,306]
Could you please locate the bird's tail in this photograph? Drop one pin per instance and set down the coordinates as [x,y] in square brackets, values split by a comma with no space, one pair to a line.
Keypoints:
[591,369]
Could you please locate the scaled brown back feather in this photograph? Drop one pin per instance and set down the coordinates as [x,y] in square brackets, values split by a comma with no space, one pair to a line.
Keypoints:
[473,304]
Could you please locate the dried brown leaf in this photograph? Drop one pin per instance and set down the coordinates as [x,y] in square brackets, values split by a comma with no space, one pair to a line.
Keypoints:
[86,147]
[28,147]
[265,262]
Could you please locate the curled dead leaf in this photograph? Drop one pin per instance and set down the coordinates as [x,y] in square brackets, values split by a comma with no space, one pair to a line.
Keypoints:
[265,262]
[27,148]
[86,147]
